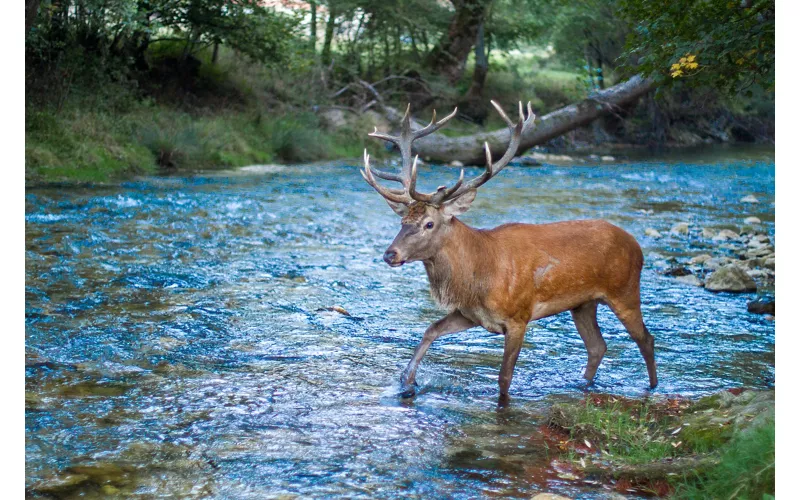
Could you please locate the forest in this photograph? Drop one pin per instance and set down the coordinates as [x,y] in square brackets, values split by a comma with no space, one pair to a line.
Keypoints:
[118,88]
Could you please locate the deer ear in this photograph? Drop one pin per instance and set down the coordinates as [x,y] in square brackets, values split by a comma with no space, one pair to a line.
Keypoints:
[400,209]
[460,204]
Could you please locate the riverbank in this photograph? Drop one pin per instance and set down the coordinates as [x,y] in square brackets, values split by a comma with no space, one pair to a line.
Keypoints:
[721,446]
[231,114]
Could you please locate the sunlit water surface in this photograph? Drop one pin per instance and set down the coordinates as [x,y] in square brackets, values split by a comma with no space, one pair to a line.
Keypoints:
[178,332]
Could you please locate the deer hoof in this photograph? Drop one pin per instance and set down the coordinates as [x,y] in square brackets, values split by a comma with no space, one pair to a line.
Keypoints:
[408,390]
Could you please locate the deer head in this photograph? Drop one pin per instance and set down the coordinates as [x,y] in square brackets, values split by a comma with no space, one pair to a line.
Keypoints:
[427,217]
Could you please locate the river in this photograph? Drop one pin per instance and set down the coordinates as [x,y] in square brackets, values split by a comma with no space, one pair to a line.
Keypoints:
[181,338]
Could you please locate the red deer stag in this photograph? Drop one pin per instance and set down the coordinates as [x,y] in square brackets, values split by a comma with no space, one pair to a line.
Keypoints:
[503,278]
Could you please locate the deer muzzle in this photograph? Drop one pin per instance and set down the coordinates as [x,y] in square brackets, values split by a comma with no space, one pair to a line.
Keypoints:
[390,257]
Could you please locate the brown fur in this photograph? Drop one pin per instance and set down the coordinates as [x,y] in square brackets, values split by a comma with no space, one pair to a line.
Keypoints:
[503,278]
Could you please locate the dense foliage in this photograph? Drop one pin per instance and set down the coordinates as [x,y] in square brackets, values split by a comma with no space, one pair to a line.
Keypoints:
[253,61]
[727,44]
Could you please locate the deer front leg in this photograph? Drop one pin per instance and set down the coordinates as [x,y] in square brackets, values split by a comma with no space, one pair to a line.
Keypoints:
[515,335]
[452,323]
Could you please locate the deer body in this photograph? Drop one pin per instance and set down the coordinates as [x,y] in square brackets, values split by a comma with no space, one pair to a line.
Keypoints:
[523,272]
[503,278]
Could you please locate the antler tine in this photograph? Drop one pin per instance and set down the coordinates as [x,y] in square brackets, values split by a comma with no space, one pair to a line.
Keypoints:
[394,195]
[433,126]
[513,144]
[502,113]
[412,185]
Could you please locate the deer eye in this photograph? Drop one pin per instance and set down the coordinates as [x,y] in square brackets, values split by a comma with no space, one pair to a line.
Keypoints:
[429,225]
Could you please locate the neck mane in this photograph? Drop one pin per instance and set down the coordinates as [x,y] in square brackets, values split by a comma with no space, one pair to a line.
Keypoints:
[457,272]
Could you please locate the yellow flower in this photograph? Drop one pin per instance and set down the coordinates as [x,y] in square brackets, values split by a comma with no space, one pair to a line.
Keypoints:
[675,66]
[677,73]
[683,60]
[691,58]
[740,61]
[692,65]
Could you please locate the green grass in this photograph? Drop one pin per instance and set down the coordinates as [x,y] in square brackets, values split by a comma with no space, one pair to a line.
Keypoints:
[96,146]
[733,439]
[746,469]
[630,434]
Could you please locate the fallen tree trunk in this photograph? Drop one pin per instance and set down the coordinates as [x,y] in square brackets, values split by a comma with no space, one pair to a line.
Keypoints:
[469,149]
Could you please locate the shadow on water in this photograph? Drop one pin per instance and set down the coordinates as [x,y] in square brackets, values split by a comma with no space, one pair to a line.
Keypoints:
[181,337]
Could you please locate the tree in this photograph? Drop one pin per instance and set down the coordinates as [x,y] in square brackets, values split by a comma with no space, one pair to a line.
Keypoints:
[450,54]
[726,44]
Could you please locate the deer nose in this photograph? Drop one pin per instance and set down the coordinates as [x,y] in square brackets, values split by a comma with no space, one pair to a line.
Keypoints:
[389,256]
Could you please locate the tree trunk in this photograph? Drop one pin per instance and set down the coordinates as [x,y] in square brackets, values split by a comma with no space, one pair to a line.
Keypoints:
[450,54]
[331,24]
[473,104]
[215,53]
[31,9]
[469,149]
[313,43]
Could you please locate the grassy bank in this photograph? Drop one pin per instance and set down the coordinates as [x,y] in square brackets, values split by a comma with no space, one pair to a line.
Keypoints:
[722,446]
[88,145]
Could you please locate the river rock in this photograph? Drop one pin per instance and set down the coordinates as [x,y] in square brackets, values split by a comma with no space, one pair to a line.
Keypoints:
[527,160]
[725,235]
[752,220]
[652,233]
[769,263]
[677,271]
[689,279]
[761,306]
[549,496]
[707,233]
[749,199]
[680,228]
[456,163]
[700,259]
[730,278]
[607,158]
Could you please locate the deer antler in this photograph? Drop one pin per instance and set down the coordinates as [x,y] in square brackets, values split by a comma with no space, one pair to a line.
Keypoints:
[408,175]
[492,169]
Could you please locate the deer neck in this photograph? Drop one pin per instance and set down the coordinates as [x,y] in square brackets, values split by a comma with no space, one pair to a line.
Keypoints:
[457,271]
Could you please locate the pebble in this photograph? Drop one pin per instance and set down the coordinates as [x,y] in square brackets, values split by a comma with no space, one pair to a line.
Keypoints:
[726,234]
[689,279]
[652,233]
[680,228]
[752,220]
[456,163]
[749,199]
[700,259]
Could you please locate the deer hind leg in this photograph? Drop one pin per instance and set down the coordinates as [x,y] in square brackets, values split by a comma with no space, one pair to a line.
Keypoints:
[585,318]
[629,313]
[452,323]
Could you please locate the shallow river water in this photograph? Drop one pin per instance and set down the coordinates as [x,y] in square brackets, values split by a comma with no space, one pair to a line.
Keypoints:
[181,341]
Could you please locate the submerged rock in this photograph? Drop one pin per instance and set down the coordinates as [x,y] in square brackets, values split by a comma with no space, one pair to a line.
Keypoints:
[652,233]
[725,235]
[680,228]
[749,199]
[761,306]
[690,279]
[700,259]
[730,278]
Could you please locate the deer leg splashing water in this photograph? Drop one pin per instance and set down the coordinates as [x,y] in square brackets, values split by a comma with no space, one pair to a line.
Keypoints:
[504,278]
